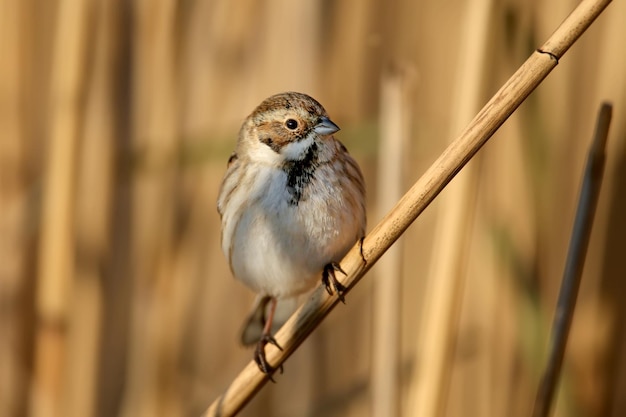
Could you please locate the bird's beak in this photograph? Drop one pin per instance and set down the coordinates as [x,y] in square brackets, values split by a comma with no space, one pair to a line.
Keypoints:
[325,126]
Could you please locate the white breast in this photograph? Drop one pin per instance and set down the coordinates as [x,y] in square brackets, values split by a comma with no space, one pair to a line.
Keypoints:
[280,249]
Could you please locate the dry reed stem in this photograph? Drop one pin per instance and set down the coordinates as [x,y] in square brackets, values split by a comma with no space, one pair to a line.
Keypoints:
[588,200]
[157,113]
[423,192]
[56,257]
[395,119]
[92,211]
[13,202]
[447,270]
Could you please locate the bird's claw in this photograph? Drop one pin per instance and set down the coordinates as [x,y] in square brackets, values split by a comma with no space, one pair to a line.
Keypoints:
[329,278]
[261,360]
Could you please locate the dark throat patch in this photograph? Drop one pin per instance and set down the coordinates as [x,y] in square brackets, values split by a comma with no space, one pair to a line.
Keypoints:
[300,173]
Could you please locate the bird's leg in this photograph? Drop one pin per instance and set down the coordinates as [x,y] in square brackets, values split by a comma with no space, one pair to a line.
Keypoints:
[328,278]
[266,337]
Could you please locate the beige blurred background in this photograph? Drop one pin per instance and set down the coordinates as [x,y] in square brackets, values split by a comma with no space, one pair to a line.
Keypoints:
[116,121]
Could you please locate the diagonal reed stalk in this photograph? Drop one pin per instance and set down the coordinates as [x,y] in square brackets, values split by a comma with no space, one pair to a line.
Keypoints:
[422,193]
[581,232]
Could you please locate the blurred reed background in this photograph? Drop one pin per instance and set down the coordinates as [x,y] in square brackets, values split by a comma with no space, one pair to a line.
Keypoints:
[117,118]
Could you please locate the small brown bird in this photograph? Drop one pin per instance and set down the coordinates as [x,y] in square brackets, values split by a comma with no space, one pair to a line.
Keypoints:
[292,203]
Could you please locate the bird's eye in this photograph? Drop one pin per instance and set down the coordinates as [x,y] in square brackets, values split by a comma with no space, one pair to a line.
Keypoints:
[291,124]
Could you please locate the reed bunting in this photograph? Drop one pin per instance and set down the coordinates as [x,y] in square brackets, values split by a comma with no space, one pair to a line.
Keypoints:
[292,203]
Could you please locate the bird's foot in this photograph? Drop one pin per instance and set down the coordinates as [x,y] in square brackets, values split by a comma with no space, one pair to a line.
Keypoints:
[328,278]
[259,355]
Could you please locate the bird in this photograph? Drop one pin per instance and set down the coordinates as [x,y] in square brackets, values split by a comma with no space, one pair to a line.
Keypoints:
[291,204]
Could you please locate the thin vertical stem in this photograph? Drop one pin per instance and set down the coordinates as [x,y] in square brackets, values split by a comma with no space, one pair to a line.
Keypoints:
[56,251]
[447,271]
[587,202]
[386,315]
